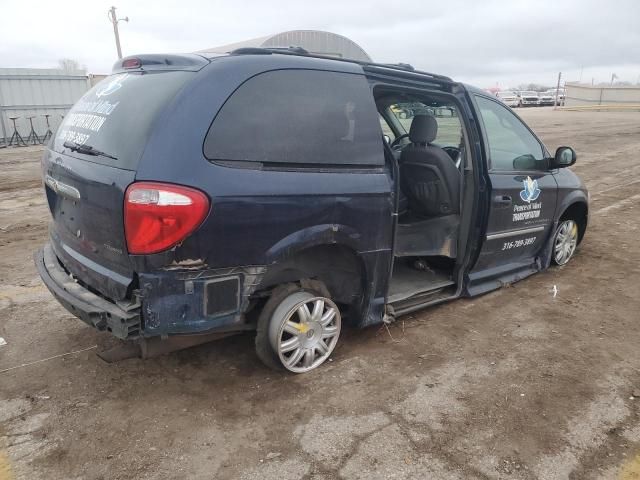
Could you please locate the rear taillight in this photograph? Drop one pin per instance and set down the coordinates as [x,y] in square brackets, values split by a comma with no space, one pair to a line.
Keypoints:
[158,216]
[131,63]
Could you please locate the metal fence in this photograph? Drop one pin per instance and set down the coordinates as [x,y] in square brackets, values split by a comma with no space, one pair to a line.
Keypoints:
[579,95]
[28,95]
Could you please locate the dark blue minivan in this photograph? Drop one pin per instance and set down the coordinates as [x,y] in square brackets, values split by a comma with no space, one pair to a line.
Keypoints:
[274,190]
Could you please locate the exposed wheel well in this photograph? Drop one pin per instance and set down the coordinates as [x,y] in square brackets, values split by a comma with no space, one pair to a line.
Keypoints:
[337,266]
[579,212]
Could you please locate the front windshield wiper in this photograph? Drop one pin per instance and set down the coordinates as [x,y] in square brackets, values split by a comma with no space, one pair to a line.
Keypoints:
[86,149]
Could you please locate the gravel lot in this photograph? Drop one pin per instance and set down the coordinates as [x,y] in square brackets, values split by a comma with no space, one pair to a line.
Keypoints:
[516,384]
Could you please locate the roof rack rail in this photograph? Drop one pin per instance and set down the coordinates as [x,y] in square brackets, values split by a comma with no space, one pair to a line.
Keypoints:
[250,51]
[386,70]
[291,49]
[405,70]
[269,50]
[403,66]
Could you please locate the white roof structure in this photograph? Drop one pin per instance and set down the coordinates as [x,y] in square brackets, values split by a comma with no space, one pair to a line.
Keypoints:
[314,41]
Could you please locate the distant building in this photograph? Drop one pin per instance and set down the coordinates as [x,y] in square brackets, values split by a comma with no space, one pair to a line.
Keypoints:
[37,96]
[314,41]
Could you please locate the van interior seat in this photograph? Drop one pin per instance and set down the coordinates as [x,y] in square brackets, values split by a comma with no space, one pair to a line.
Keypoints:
[428,176]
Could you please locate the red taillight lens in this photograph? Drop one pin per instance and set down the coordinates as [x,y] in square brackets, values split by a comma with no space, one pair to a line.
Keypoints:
[157,216]
[131,63]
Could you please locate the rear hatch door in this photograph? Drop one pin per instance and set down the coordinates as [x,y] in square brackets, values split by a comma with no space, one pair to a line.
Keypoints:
[88,166]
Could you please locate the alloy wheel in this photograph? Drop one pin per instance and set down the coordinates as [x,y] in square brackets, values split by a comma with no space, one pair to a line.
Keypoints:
[304,331]
[565,242]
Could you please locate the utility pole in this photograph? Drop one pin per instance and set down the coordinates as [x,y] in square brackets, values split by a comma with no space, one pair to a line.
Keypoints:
[114,20]
[555,103]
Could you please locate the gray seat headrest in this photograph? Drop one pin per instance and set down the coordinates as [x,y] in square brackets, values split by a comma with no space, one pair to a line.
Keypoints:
[424,129]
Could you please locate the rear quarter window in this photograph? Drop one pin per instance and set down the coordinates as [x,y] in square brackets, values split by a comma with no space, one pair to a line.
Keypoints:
[298,117]
[116,116]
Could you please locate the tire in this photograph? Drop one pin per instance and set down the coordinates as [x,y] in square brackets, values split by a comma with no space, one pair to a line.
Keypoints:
[298,327]
[565,241]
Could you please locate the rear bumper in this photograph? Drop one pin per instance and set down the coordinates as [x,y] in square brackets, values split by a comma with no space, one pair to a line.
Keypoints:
[168,302]
[92,309]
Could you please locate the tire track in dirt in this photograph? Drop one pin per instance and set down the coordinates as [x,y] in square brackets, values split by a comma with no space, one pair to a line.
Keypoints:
[619,204]
[20,185]
[586,432]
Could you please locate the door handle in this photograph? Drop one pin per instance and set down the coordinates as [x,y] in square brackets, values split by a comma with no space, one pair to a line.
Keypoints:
[502,200]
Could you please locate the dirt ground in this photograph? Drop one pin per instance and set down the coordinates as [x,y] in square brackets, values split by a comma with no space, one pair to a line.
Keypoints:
[515,384]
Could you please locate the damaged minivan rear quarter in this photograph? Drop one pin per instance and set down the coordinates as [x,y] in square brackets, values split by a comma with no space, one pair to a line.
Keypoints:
[275,191]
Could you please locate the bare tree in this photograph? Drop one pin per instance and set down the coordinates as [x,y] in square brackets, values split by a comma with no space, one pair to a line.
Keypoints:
[70,65]
[535,87]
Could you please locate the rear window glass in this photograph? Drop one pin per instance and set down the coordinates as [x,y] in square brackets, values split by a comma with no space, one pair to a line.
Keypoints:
[116,116]
[299,117]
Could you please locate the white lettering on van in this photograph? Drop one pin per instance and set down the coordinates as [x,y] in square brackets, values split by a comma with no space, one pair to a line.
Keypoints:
[526,215]
[103,107]
[73,136]
[527,211]
[85,121]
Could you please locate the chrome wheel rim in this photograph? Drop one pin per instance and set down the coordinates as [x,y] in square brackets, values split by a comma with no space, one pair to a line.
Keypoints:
[565,242]
[307,333]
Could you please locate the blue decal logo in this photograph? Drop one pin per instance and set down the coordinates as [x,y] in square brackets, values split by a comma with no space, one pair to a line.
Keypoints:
[530,192]
[113,86]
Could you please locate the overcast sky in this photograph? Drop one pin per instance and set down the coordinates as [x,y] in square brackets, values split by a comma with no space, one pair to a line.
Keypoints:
[484,42]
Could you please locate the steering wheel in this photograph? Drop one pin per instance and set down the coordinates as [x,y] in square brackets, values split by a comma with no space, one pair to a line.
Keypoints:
[396,142]
[455,154]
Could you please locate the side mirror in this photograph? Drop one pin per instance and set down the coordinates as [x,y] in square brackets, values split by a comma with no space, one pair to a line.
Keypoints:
[387,139]
[564,157]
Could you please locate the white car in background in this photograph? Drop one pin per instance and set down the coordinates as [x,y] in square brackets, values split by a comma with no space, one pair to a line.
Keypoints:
[546,98]
[508,97]
[528,99]
[560,95]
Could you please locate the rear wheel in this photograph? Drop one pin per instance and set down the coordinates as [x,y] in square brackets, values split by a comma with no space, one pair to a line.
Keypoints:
[297,329]
[565,241]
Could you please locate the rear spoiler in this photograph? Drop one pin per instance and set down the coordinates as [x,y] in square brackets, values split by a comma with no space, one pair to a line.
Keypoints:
[157,61]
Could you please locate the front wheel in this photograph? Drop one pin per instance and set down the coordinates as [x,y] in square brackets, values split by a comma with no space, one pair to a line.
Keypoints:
[297,330]
[565,241]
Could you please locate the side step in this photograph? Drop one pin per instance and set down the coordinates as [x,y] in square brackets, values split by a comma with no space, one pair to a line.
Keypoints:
[420,300]
[434,288]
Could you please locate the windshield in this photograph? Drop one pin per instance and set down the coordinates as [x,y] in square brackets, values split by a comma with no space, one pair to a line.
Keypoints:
[530,94]
[506,94]
[115,117]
